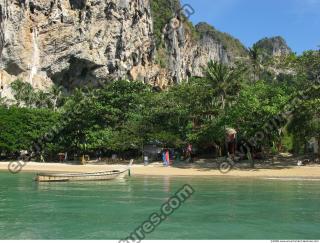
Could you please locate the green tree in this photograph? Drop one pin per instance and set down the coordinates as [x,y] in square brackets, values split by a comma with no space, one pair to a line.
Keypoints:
[55,96]
[255,55]
[20,127]
[256,114]
[23,93]
[41,99]
[307,67]
[305,121]
[100,117]
[223,80]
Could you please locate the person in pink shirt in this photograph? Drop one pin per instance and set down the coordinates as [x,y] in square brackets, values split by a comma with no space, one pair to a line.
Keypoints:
[167,157]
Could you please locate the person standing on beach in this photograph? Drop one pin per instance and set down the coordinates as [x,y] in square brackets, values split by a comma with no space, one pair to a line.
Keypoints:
[231,142]
[98,155]
[189,152]
[167,157]
[164,157]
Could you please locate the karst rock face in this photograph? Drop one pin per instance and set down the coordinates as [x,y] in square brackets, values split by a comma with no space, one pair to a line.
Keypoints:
[188,56]
[86,42]
[274,46]
[75,42]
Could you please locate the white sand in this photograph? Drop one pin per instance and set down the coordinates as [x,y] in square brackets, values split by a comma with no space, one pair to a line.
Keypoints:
[158,170]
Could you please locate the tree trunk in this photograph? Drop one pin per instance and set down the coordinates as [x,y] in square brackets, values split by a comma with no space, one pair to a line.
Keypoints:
[296,145]
[318,147]
[249,154]
[223,102]
[305,148]
[55,101]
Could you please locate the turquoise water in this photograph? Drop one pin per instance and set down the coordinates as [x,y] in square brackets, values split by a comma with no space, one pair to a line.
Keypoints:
[219,209]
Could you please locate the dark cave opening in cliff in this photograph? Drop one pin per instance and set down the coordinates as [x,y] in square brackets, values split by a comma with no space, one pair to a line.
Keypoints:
[13,69]
[78,4]
[32,7]
[78,73]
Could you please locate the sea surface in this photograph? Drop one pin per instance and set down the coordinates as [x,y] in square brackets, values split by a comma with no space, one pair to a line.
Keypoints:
[219,208]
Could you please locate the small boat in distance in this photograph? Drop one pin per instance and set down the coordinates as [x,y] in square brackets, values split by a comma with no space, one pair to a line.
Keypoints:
[96,176]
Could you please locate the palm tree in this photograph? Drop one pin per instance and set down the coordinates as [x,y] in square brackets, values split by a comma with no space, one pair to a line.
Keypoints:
[255,57]
[55,95]
[42,99]
[224,80]
[17,88]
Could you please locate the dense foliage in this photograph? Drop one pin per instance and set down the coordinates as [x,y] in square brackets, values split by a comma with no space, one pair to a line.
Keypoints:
[20,127]
[123,116]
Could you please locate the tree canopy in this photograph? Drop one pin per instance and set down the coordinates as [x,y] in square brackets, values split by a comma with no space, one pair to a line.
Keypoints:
[125,115]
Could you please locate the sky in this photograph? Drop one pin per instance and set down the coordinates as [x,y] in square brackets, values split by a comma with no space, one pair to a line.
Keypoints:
[298,21]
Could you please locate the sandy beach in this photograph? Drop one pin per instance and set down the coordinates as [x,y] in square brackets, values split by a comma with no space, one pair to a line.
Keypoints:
[156,169]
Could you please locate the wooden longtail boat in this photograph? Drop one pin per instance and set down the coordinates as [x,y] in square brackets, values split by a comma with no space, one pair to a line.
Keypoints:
[97,176]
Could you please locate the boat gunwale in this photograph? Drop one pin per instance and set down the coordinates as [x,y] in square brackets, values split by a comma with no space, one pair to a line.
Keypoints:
[114,172]
[59,177]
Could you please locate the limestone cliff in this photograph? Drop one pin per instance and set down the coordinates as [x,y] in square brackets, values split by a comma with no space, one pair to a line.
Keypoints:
[74,42]
[86,42]
[274,46]
[188,53]
[277,49]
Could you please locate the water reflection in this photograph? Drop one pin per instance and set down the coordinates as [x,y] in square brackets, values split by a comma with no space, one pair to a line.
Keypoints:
[166,184]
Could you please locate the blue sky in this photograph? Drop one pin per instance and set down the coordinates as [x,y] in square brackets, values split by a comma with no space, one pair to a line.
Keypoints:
[298,21]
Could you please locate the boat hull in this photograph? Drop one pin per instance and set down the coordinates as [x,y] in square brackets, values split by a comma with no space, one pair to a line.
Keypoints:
[101,176]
